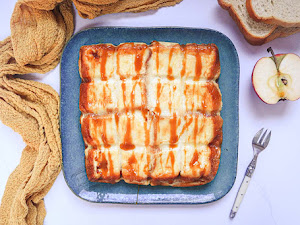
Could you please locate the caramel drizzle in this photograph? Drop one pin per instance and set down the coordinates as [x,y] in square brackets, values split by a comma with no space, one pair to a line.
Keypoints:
[100,55]
[171,157]
[209,100]
[156,128]
[173,121]
[131,105]
[170,97]
[156,49]
[140,51]
[143,109]
[173,133]
[117,118]
[107,98]
[139,55]
[106,167]
[93,56]
[123,85]
[132,95]
[102,164]
[100,123]
[198,68]
[188,122]
[212,98]
[103,135]
[103,63]
[147,134]
[195,130]
[194,163]
[130,168]
[118,62]
[127,145]
[170,70]
[183,70]
[159,89]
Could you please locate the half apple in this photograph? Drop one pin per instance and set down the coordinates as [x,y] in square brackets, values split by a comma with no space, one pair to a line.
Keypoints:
[277,78]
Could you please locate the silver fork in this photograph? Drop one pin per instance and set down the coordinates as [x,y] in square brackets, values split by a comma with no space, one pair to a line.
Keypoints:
[259,143]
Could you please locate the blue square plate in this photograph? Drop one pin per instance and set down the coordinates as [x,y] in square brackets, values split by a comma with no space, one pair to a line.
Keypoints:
[72,142]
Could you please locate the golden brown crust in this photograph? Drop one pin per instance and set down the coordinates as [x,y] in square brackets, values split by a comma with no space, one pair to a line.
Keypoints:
[282,32]
[83,68]
[83,98]
[142,144]
[85,131]
[89,166]
[216,67]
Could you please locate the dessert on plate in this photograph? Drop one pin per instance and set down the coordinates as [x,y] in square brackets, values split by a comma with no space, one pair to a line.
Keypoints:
[151,113]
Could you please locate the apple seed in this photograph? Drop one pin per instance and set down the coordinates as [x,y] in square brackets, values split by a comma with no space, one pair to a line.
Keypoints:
[284,81]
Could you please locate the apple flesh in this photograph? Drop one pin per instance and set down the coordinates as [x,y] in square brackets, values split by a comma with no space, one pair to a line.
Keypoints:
[277,79]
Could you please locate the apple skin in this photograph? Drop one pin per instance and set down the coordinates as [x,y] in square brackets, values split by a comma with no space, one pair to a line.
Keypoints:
[252,77]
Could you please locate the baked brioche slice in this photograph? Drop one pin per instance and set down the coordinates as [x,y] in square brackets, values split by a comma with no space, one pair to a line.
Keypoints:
[285,13]
[256,33]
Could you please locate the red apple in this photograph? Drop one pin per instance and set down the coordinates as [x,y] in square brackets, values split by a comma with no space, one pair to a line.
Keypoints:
[277,78]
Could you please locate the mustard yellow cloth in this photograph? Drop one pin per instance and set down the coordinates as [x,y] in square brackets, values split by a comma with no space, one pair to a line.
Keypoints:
[39,31]
[38,35]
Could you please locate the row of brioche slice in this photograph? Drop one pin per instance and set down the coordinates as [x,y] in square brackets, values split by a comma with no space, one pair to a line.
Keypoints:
[261,21]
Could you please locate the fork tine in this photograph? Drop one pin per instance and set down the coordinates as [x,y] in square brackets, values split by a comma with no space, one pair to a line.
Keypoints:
[267,140]
[257,135]
[262,137]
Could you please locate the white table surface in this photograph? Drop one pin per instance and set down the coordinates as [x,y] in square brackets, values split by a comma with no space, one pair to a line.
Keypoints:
[273,194]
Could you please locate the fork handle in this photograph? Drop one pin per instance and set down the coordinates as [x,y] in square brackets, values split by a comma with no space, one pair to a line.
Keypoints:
[243,188]
[240,196]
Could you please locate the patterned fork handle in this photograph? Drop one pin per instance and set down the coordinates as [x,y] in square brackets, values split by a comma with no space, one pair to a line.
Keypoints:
[243,188]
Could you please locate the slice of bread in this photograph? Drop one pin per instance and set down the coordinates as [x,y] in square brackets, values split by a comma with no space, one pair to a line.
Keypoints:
[256,33]
[285,13]
[282,32]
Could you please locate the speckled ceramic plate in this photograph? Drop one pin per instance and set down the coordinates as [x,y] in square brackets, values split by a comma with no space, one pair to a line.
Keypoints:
[72,142]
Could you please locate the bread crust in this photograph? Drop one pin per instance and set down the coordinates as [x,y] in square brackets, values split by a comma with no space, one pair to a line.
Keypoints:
[269,20]
[248,36]
[279,33]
